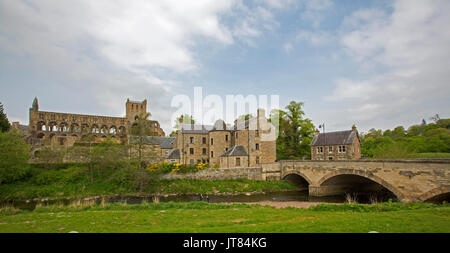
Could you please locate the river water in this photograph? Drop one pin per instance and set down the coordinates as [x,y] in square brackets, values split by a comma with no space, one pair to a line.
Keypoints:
[285,196]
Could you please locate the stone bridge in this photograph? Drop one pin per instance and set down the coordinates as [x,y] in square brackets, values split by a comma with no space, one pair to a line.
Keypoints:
[408,180]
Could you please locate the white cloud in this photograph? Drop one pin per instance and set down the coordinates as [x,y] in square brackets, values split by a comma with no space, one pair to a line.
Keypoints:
[413,47]
[315,38]
[314,11]
[111,49]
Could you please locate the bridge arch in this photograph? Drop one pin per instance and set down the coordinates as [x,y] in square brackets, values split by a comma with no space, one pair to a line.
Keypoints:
[297,178]
[348,174]
[436,195]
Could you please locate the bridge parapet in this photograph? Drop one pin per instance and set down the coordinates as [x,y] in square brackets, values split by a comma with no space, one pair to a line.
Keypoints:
[409,180]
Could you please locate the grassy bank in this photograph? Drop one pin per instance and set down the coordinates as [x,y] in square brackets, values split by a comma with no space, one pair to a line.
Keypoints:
[80,189]
[203,217]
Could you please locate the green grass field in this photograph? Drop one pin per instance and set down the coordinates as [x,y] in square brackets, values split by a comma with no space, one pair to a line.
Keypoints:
[196,217]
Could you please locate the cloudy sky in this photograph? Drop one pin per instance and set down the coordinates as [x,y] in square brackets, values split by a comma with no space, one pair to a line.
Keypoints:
[376,64]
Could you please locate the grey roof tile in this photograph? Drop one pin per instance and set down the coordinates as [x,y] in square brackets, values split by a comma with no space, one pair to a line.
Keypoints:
[334,138]
[236,150]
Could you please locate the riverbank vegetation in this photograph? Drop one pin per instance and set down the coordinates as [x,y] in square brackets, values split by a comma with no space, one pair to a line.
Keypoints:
[76,180]
[193,217]
[426,140]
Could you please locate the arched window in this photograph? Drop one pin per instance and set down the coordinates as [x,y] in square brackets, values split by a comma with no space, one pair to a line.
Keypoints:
[113,130]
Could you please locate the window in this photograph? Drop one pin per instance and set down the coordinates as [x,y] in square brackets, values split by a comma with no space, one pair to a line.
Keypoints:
[226,137]
[342,149]
[212,141]
[226,149]
[257,133]
[257,146]
[191,140]
[330,158]
[238,161]
[167,152]
[330,149]
[319,150]
[191,161]
[204,151]
[191,151]
[257,160]
[204,140]
[236,135]
[212,154]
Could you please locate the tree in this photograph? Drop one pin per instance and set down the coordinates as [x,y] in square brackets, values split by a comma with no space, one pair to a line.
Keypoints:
[182,119]
[138,136]
[4,122]
[295,132]
[245,117]
[107,155]
[14,155]
[435,118]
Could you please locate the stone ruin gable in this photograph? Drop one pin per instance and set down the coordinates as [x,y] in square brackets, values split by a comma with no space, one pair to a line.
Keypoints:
[70,127]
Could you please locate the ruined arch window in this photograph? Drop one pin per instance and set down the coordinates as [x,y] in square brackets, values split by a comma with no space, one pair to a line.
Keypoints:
[257,146]
[75,128]
[95,130]
[104,130]
[65,128]
[238,161]
[113,130]
[55,128]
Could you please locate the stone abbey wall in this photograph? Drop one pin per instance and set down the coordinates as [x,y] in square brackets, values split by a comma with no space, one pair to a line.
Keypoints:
[69,127]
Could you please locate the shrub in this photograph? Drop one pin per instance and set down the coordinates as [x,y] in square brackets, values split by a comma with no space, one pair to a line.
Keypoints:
[14,155]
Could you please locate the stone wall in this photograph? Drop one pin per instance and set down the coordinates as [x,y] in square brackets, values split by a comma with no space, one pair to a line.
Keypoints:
[409,180]
[220,174]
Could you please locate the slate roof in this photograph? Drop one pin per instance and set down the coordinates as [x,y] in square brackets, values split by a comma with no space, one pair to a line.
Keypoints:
[195,129]
[334,138]
[174,154]
[202,129]
[236,150]
[162,141]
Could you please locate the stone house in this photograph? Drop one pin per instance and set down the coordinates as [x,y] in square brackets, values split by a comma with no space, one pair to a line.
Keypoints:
[236,157]
[341,145]
[207,144]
